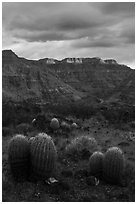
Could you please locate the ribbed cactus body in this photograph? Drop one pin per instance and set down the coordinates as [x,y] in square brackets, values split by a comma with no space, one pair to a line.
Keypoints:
[18,155]
[96,163]
[54,124]
[43,156]
[113,165]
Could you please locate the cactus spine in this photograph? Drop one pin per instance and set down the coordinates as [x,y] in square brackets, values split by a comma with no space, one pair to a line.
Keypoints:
[18,155]
[96,163]
[113,165]
[43,156]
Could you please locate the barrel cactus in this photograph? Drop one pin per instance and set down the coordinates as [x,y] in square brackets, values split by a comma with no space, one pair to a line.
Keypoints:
[113,165]
[96,163]
[43,156]
[18,155]
[54,124]
[65,126]
[74,126]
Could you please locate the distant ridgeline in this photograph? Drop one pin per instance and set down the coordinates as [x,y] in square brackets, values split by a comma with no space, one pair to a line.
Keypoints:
[93,60]
[9,55]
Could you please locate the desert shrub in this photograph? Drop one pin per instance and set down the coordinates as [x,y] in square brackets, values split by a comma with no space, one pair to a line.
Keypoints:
[82,110]
[76,109]
[6,131]
[8,114]
[81,147]
[23,114]
[132,124]
[129,174]
[14,114]
[23,128]
[119,114]
[65,126]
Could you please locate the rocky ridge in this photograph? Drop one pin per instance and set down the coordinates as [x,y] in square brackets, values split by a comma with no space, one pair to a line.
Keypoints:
[71,79]
[24,80]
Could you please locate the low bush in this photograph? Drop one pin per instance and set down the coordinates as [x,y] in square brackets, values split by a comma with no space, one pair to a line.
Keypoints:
[81,147]
[6,131]
[23,128]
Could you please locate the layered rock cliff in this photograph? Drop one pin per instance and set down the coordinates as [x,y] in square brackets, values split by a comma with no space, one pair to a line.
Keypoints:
[94,76]
[26,80]
[71,79]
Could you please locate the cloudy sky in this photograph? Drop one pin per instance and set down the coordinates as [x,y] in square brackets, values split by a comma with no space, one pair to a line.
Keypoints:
[66,29]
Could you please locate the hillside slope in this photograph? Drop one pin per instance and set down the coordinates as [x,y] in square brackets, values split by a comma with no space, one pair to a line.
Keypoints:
[92,76]
[71,79]
[24,80]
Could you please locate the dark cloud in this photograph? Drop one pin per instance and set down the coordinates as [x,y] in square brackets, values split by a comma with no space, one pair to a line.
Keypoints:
[102,44]
[90,43]
[73,25]
[78,18]
[40,36]
[46,16]
[119,8]
[62,23]
[43,36]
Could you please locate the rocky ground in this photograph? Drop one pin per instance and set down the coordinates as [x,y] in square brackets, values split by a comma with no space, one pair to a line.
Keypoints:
[75,184]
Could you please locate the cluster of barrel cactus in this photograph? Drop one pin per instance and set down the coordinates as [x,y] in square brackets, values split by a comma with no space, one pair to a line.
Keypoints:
[54,124]
[109,165]
[38,154]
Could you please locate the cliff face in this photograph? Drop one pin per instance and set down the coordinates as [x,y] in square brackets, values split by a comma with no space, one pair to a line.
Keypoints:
[92,76]
[125,92]
[26,80]
[71,79]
